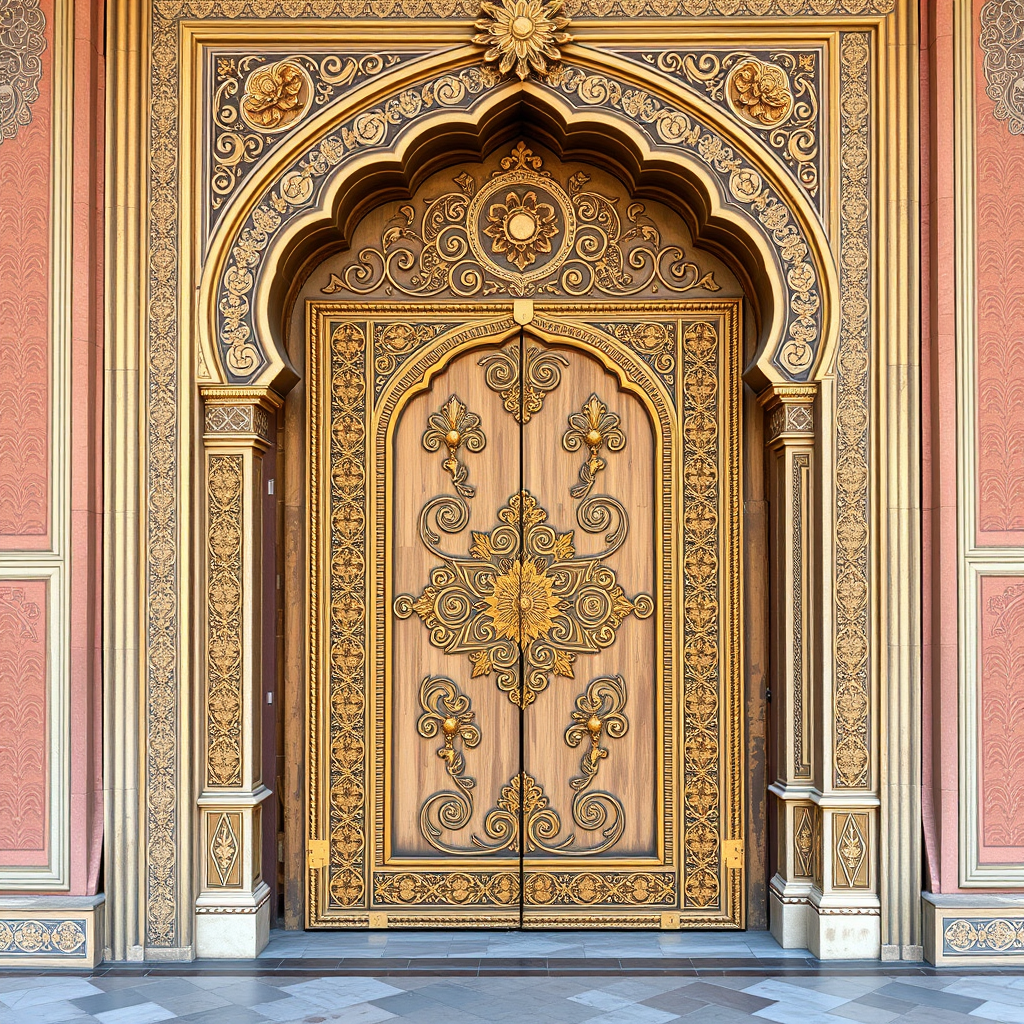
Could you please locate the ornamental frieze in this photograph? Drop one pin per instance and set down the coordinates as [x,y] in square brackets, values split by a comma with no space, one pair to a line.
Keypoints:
[1002,41]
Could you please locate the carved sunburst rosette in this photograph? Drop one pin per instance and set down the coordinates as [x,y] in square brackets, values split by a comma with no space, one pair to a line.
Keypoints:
[522,34]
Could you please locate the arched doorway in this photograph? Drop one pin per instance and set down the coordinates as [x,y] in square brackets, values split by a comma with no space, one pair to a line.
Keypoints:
[525,697]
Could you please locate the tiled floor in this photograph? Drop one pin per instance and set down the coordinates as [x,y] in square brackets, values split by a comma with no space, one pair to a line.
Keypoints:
[220,999]
[449,977]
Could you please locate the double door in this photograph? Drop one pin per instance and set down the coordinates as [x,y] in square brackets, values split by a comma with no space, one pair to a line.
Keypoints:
[503,610]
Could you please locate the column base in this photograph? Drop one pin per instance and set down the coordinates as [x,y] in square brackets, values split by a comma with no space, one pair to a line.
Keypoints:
[51,931]
[233,929]
[981,930]
[800,917]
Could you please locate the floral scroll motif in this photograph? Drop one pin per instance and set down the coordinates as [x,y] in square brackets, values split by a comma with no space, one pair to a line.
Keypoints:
[521,233]
[259,96]
[596,428]
[19,937]
[455,427]
[1002,41]
[523,592]
[522,35]
[523,394]
[22,43]
[599,713]
[982,936]
[774,93]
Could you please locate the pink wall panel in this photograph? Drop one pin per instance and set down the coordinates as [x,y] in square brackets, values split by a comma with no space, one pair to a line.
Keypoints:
[999,170]
[1001,719]
[25,181]
[23,722]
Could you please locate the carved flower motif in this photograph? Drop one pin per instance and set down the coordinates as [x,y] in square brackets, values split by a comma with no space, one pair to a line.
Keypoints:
[760,92]
[522,33]
[275,96]
[523,604]
[519,229]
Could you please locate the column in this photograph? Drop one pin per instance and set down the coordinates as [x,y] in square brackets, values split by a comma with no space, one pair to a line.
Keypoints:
[233,909]
[789,442]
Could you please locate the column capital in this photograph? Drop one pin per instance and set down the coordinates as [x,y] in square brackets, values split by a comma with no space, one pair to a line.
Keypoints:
[234,414]
[789,412]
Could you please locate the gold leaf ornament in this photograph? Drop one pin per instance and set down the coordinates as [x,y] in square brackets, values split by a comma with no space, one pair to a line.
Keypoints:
[524,34]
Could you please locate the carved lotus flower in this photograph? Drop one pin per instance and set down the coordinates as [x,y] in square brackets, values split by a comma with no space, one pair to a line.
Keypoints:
[760,92]
[522,33]
[521,228]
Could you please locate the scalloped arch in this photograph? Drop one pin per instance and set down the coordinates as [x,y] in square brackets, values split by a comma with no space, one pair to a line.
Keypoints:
[740,202]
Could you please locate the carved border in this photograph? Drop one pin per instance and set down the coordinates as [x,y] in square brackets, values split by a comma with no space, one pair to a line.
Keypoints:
[852,727]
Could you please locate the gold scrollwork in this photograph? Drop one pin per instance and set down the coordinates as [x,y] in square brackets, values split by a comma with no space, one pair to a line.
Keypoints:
[523,395]
[778,96]
[521,233]
[447,710]
[455,427]
[596,428]
[523,592]
[599,712]
[254,100]
[22,42]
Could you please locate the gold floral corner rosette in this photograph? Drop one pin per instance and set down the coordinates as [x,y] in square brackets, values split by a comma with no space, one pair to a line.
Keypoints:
[276,96]
[522,34]
[760,93]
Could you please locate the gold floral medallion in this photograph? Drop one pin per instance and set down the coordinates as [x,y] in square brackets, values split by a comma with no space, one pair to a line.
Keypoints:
[760,93]
[520,228]
[522,34]
[523,603]
[276,96]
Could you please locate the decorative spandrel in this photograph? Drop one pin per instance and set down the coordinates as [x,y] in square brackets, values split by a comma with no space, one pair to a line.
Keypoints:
[522,233]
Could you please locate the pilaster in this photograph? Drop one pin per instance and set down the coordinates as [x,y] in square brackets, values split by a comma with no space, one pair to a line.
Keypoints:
[233,906]
[824,891]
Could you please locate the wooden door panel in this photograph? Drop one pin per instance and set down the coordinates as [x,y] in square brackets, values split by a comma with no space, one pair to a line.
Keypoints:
[602,783]
[426,784]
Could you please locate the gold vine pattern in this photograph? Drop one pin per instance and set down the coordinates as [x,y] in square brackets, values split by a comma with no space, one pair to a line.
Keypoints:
[224,614]
[521,233]
[19,937]
[599,712]
[523,590]
[983,936]
[348,625]
[257,96]
[455,427]
[522,393]
[852,685]
[776,93]
[701,606]
[595,428]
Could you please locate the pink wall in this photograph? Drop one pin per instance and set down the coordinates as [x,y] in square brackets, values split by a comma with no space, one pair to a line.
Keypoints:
[25,178]
[32,473]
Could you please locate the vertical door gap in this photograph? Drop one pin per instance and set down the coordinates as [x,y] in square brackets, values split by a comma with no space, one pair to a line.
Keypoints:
[519,609]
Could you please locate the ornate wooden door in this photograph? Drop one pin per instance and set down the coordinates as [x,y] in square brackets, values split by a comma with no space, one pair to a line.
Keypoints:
[524,686]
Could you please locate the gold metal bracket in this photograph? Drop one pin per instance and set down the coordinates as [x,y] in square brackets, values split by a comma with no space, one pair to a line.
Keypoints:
[318,853]
[522,311]
[732,853]
[670,919]
[378,919]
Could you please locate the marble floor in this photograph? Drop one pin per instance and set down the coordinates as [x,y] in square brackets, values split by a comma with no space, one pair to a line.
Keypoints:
[124,997]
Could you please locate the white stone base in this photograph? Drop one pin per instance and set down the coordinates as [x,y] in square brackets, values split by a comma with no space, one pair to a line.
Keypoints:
[238,930]
[801,918]
[51,931]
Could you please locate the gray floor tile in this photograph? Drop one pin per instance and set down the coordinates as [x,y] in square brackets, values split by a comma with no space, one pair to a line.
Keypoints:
[929,997]
[722,996]
[250,991]
[865,1014]
[110,1000]
[676,1002]
[225,1015]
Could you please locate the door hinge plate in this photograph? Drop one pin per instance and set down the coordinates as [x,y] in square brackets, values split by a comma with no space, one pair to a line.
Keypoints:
[318,853]
[732,853]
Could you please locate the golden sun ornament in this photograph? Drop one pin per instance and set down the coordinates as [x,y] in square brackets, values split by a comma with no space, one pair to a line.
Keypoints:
[523,33]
